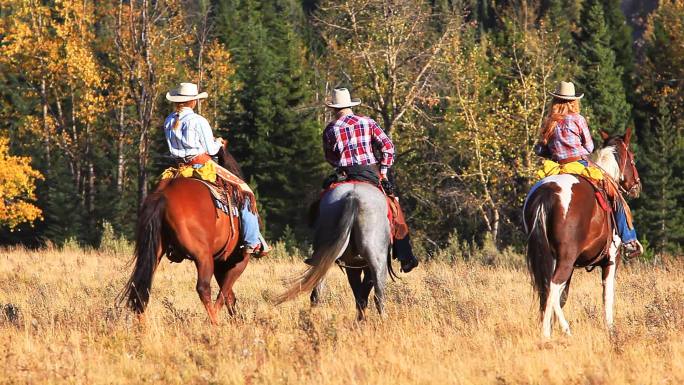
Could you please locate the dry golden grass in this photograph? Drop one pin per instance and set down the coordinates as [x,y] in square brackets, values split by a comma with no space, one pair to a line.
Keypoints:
[460,324]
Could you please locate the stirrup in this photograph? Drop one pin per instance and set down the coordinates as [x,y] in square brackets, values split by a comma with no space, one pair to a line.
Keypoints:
[634,249]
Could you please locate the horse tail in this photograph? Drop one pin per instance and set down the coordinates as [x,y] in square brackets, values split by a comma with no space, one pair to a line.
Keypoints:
[327,254]
[148,235]
[540,256]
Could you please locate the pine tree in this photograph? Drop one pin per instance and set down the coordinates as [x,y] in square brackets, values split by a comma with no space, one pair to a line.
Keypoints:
[661,96]
[276,141]
[663,189]
[560,19]
[620,41]
[600,77]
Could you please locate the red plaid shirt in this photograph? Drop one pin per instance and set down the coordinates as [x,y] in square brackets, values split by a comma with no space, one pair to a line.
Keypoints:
[349,141]
[571,138]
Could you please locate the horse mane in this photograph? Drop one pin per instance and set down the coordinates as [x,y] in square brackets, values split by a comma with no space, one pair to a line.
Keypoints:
[227,161]
[606,159]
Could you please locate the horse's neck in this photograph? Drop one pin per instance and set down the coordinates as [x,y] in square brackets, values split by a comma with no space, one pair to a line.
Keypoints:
[227,161]
[605,158]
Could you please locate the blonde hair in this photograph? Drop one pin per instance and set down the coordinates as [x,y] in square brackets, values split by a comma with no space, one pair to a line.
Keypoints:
[178,108]
[559,109]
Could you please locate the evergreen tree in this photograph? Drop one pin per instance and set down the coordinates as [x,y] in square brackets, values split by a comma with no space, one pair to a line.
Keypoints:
[276,141]
[663,188]
[620,41]
[600,77]
[562,17]
[661,96]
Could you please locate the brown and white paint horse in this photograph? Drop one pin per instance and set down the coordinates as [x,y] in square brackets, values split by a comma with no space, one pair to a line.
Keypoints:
[567,228]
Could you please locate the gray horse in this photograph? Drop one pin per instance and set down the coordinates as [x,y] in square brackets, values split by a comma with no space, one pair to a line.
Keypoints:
[351,227]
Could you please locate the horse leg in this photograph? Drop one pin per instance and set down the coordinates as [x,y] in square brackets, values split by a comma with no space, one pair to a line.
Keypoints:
[226,293]
[317,292]
[205,270]
[559,280]
[379,295]
[220,270]
[356,283]
[608,278]
[566,291]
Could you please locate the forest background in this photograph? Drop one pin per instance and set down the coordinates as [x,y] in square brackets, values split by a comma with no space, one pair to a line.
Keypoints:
[460,86]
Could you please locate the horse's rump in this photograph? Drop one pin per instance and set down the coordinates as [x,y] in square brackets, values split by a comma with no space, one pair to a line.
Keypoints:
[395,215]
[573,214]
[193,219]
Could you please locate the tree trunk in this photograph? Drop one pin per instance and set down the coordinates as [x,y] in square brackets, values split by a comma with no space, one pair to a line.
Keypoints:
[91,191]
[142,171]
[120,162]
[46,128]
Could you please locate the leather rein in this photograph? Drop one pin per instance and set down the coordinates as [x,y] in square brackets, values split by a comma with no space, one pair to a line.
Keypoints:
[634,171]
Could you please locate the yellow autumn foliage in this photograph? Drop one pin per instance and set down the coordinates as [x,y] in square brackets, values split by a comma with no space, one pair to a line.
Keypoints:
[17,188]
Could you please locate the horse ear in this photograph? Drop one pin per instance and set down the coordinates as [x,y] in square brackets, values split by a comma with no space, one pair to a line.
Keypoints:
[604,135]
[628,135]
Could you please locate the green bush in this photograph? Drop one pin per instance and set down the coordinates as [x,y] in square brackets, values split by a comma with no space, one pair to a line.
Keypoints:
[113,243]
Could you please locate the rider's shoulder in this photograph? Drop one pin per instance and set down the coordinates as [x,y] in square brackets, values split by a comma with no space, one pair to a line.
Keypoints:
[366,119]
[574,116]
[196,118]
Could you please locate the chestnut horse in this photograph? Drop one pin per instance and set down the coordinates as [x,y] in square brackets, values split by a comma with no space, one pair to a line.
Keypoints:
[567,228]
[179,220]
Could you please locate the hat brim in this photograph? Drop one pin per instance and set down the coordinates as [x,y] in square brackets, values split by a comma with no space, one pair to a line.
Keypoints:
[185,98]
[352,103]
[567,97]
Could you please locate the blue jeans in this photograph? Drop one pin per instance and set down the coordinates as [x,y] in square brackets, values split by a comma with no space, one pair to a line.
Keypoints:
[626,234]
[249,223]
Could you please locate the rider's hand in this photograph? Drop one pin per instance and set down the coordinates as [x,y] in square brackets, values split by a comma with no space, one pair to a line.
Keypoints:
[387,186]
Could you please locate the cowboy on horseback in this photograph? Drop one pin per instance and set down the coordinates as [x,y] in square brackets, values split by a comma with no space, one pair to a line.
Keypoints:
[349,143]
[191,143]
[565,138]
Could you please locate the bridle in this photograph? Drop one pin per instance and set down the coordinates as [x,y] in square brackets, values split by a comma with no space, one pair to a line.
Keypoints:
[634,171]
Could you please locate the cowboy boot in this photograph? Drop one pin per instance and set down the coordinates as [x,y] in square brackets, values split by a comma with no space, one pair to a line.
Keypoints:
[403,251]
[262,249]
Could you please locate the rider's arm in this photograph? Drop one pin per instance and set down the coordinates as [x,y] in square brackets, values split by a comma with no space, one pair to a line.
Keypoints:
[329,146]
[585,134]
[207,136]
[381,140]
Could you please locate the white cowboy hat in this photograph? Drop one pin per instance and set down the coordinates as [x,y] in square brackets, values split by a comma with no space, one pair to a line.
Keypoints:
[184,93]
[342,99]
[566,91]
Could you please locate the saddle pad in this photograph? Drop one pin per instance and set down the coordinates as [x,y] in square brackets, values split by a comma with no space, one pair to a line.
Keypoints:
[221,202]
[206,172]
[552,168]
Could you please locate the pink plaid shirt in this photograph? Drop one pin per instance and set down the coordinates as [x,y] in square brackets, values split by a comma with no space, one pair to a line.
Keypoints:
[571,138]
[349,141]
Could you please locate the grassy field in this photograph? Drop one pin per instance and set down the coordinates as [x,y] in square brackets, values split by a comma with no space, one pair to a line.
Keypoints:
[446,324]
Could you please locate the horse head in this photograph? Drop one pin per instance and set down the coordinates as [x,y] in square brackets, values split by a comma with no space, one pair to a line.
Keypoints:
[227,161]
[629,181]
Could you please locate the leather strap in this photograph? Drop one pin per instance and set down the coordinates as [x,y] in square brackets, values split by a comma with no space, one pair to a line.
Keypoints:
[571,159]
